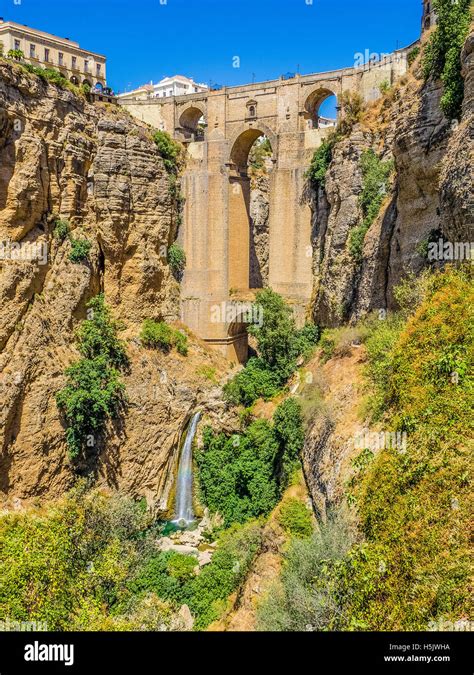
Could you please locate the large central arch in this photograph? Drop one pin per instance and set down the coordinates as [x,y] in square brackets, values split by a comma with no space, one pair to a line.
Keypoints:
[239,202]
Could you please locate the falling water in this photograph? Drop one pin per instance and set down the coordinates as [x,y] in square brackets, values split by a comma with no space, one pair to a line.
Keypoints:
[184,488]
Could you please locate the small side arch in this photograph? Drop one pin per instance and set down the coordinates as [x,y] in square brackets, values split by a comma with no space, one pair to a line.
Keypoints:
[313,103]
[192,121]
[242,140]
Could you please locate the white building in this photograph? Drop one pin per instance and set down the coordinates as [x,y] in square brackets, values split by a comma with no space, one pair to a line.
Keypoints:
[179,85]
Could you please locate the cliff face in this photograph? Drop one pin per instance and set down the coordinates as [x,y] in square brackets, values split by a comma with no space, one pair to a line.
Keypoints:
[100,170]
[430,197]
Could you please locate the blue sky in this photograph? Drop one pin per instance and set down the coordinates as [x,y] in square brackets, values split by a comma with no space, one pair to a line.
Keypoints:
[149,39]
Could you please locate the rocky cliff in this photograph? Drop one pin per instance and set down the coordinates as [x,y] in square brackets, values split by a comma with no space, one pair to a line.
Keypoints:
[430,196]
[95,167]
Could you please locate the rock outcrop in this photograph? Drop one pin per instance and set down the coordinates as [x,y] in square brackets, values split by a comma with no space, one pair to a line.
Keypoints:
[431,197]
[98,169]
[259,230]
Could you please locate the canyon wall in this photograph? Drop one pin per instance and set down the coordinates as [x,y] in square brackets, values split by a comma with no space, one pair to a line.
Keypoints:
[97,168]
[430,197]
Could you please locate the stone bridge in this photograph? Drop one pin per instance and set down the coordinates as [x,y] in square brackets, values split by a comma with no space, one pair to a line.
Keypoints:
[216,227]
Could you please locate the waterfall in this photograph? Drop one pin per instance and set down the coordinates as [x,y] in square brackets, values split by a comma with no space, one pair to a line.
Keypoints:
[184,489]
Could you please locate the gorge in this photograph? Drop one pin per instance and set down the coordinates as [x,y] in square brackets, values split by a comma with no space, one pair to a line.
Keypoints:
[125,407]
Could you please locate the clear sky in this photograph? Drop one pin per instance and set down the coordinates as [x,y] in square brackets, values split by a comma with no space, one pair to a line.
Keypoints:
[148,39]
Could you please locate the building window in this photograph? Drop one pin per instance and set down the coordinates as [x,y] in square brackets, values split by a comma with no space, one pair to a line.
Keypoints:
[46,55]
[61,59]
[74,62]
[98,66]
[195,89]
[86,66]
[32,51]
[17,44]
[171,92]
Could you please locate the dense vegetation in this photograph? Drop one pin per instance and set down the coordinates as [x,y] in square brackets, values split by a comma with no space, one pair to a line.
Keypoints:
[442,56]
[375,181]
[159,335]
[80,249]
[90,563]
[170,150]
[279,344]
[177,260]
[94,391]
[243,476]
[412,565]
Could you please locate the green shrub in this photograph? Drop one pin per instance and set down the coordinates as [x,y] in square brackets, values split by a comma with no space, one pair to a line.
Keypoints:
[289,433]
[413,55]
[277,337]
[177,260]
[61,230]
[279,345]
[180,341]
[253,382]
[442,56]
[16,54]
[384,87]
[97,335]
[320,164]
[380,340]
[242,476]
[375,181]
[296,519]
[94,390]
[170,151]
[307,597]
[80,249]
[208,373]
[327,345]
[77,552]
[158,335]
[172,575]
[230,565]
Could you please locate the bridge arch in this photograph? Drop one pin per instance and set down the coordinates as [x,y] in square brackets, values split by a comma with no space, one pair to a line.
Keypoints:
[241,142]
[243,261]
[314,101]
[189,118]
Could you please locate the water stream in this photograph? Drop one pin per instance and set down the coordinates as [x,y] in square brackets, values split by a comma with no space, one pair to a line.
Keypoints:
[184,489]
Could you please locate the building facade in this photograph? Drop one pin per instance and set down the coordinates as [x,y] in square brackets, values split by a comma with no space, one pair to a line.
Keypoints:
[49,51]
[429,15]
[179,85]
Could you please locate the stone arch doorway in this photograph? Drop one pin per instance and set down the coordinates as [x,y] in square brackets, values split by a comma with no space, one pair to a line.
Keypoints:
[192,123]
[238,339]
[75,81]
[248,240]
[320,109]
